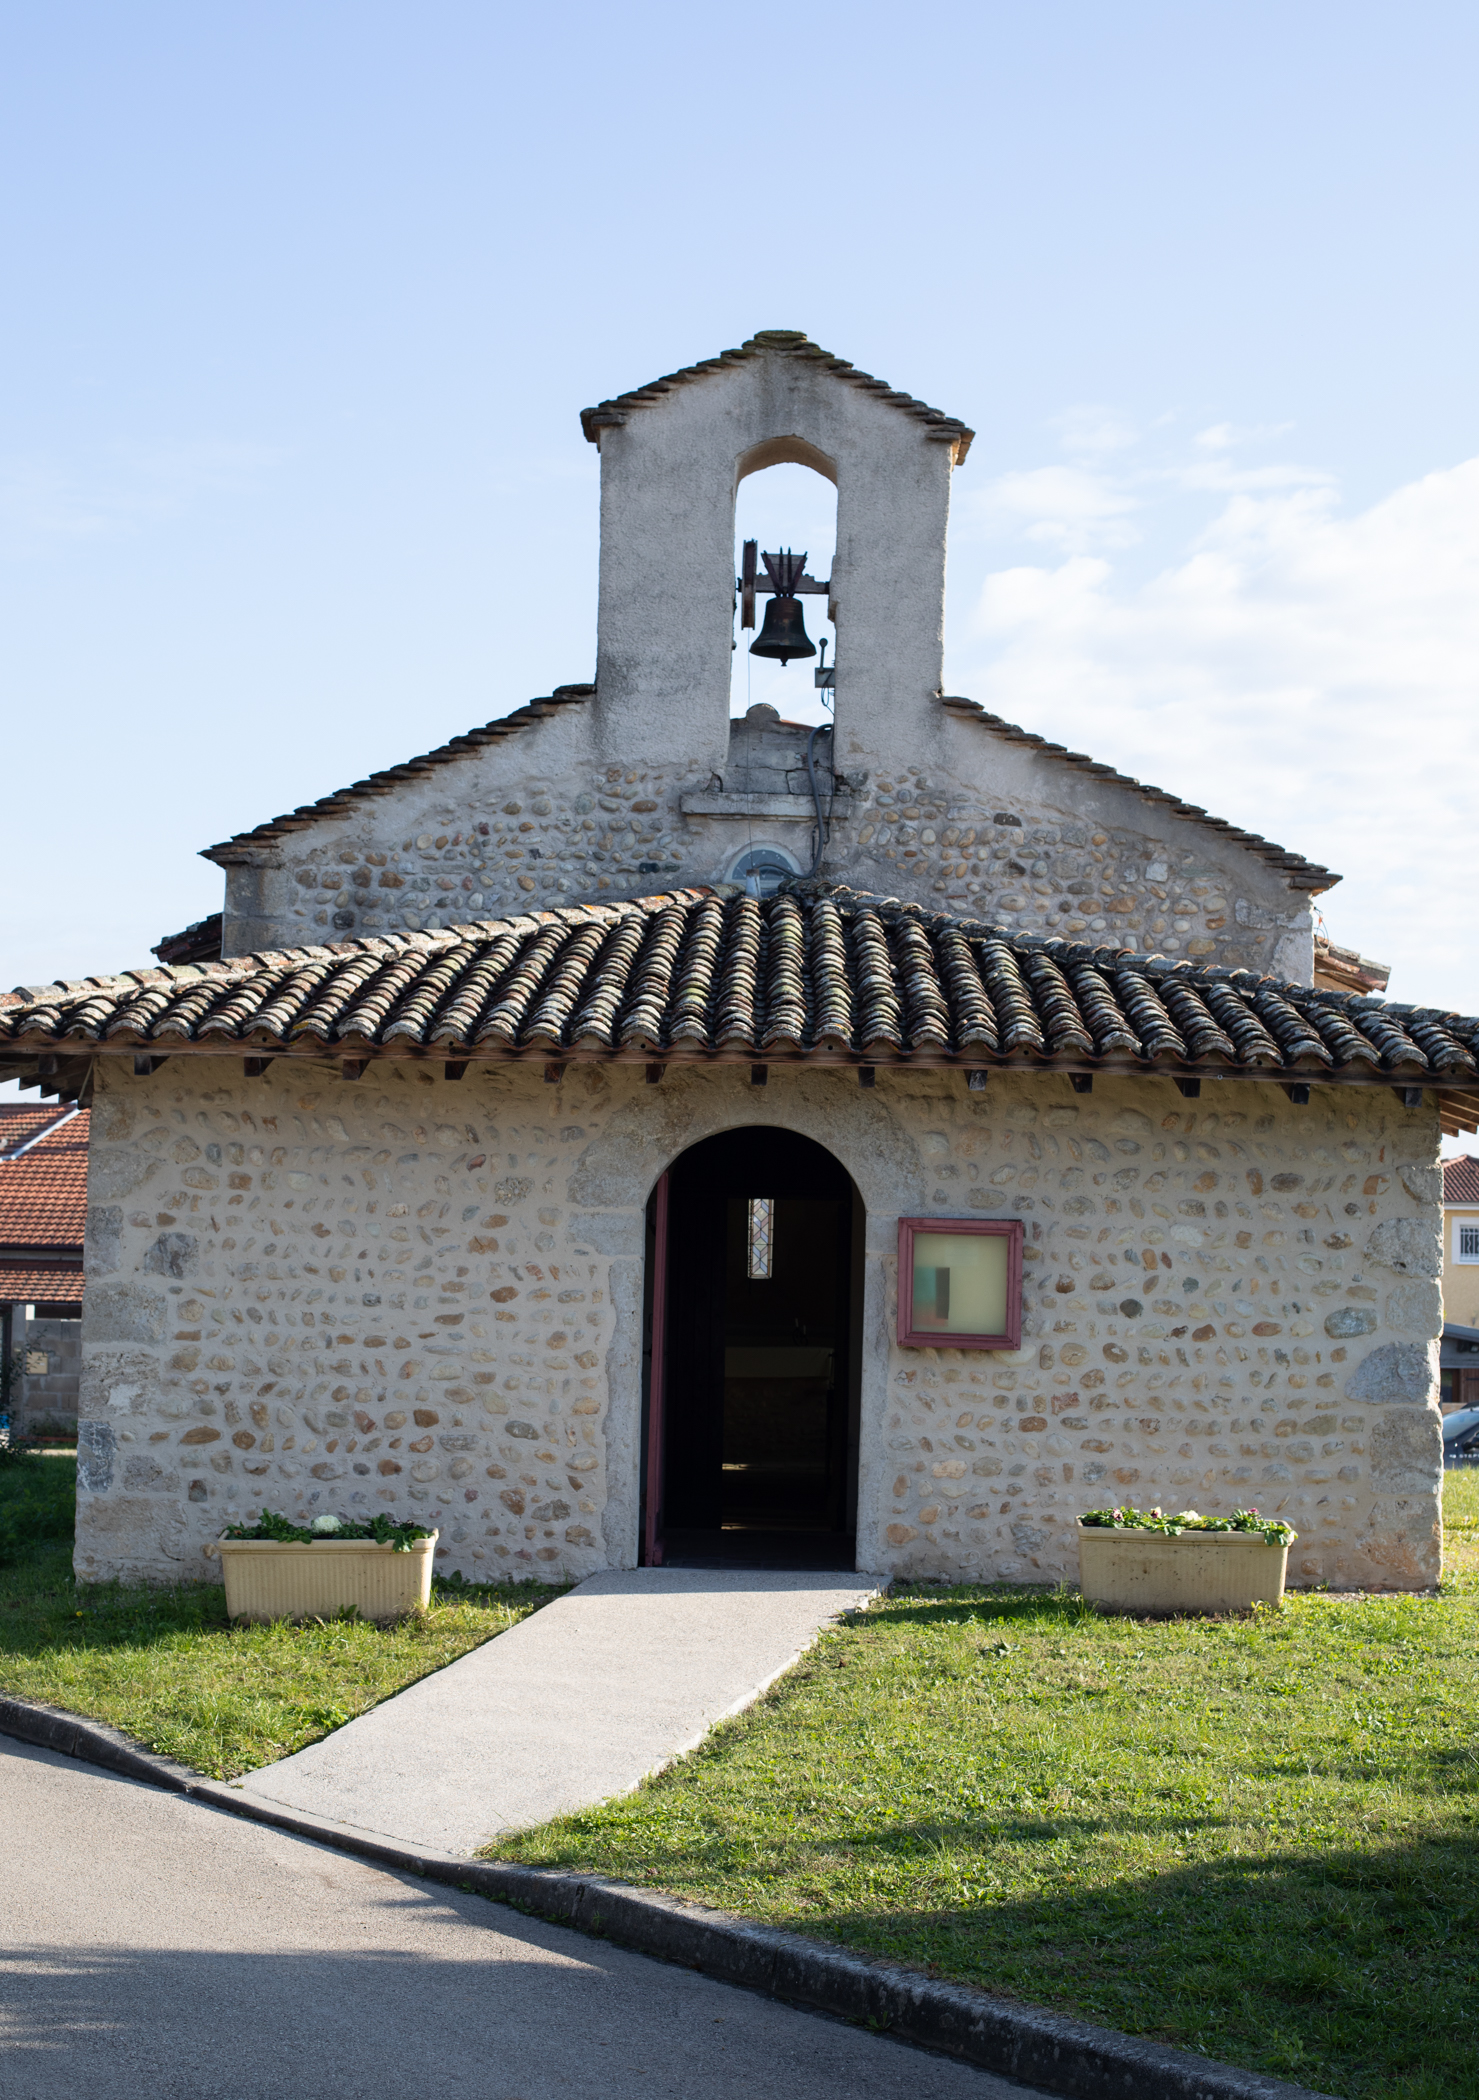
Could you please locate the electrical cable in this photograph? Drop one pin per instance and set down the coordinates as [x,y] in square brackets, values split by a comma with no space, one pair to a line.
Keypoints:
[823,823]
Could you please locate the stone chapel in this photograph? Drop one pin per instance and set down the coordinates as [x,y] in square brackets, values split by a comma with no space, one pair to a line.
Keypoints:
[631,1134]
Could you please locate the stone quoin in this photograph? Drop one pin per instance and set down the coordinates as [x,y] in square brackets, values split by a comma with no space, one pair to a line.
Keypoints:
[499,1159]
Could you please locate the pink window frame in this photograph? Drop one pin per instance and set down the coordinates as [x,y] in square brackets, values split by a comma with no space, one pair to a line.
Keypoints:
[1009,1229]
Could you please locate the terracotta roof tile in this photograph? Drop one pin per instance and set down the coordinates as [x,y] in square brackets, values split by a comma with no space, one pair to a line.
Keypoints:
[22,1122]
[47,1283]
[198,943]
[1461,1180]
[43,1194]
[816,972]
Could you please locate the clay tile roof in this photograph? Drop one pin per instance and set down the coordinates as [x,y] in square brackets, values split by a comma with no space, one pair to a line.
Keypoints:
[1346,969]
[49,1283]
[343,802]
[1461,1180]
[819,972]
[43,1193]
[198,943]
[1301,874]
[783,342]
[22,1122]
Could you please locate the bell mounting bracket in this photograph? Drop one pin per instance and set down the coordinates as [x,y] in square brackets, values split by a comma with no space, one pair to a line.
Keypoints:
[785,577]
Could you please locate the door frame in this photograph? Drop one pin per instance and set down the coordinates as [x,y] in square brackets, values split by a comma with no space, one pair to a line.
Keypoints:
[656,1380]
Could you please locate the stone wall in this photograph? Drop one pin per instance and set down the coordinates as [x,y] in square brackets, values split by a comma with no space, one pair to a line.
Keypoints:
[1225,1307]
[311,1295]
[424,1295]
[993,832]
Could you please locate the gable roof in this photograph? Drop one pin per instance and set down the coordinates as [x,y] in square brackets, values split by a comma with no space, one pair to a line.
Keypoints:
[1461,1180]
[817,974]
[344,802]
[783,342]
[43,1194]
[1301,874]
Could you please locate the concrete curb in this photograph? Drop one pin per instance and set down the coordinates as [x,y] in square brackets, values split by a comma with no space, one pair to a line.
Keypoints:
[1036,2048]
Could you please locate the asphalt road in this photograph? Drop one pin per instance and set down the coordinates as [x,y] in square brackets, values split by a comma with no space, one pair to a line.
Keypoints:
[154,1949]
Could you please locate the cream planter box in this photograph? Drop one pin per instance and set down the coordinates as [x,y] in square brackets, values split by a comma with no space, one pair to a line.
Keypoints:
[1196,1571]
[269,1580]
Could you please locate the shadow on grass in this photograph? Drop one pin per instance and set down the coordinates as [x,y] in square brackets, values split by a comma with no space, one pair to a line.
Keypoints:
[42,1609]
[1351,1971]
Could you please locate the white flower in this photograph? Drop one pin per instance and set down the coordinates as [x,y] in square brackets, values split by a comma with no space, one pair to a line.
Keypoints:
[327,1522]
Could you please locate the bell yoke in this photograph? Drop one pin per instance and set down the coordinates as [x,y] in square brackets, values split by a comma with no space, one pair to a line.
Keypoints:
[784,634]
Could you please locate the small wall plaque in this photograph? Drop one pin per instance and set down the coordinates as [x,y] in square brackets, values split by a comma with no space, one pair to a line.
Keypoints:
[960,1283]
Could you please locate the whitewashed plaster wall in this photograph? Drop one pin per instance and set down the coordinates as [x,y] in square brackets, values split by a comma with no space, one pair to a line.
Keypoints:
[409,1293]
[665,624]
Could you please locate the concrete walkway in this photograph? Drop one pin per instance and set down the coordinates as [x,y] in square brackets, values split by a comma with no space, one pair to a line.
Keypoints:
[153,1949]
[571,1706]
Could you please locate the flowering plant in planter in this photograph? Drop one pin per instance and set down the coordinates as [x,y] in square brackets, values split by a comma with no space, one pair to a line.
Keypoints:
[1145,1560]
[380,1529]
[1272,1530]
[372,1565]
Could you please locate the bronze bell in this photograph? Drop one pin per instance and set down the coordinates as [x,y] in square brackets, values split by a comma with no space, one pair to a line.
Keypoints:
[784,633]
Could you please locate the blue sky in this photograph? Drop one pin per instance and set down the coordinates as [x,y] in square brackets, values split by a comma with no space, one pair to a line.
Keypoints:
[303,301]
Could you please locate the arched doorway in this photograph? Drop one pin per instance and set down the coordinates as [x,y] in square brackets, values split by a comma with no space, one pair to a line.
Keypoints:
[753,1330]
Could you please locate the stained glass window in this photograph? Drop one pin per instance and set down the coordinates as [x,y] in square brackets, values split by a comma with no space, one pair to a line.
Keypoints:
[762,1210]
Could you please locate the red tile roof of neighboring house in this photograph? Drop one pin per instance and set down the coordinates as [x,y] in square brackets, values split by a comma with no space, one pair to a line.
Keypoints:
[22,1122]
[31,1283]
[1461,1180]
[43,1194]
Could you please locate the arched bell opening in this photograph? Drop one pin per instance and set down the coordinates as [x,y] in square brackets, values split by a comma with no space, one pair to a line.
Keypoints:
[786,505]
[752,1356]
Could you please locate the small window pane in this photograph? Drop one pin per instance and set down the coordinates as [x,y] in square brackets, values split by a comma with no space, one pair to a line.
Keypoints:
[960,1282]
[1468,1243]
[761,1210]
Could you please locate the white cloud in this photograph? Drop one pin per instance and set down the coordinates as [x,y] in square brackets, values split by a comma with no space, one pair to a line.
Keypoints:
[1310,675]
[1095,432]
[1223,437]
[1067,507]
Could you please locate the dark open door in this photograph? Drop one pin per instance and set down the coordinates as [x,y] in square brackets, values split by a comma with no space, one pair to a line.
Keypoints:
[750,1441]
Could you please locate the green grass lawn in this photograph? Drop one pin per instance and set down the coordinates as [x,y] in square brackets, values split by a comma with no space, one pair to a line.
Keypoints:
[1254,1837]
[166,1666]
